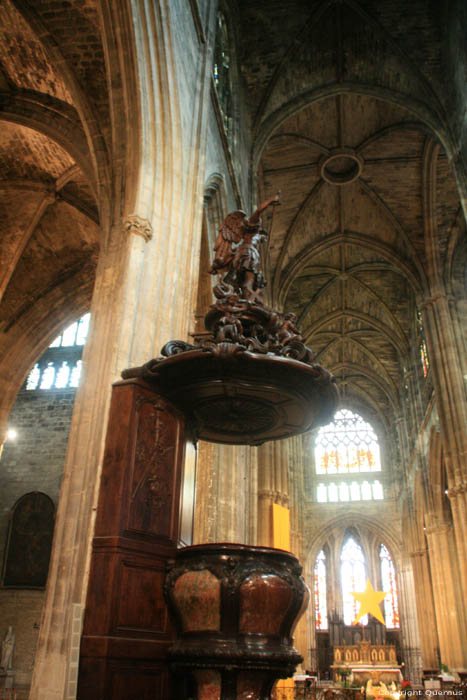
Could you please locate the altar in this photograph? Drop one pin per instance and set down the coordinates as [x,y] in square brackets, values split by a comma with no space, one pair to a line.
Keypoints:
[364,662]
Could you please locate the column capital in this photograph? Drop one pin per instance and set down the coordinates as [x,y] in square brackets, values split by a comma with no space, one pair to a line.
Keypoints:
[266,494]
[135,224]
[430,301]
[438,528]
[457,489]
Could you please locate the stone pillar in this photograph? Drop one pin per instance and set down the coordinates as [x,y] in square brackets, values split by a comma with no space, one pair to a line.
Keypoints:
[447,595]
[297,536]
[458,499]
[266,485]
[446,356]
[409,626]
[225,494]
[273,486]
[425,608]
[144,295]
[452,408]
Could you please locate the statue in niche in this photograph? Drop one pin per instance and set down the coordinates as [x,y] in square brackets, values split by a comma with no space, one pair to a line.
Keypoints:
[8,645]
[236,254]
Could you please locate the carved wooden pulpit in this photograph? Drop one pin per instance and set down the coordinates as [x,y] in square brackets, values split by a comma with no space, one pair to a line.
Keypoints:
[250,379]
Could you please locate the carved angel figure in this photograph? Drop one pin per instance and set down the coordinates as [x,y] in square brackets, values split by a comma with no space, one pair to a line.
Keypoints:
[236,251]
[288,331]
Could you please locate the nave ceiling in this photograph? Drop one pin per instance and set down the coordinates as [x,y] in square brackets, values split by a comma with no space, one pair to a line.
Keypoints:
[348,129]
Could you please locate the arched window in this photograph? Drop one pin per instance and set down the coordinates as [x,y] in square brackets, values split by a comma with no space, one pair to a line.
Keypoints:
[221,73]
[29,542]
[424,358]
[348,447]
[388,579]
[75,334]
[321,610]
[353,579]
[60,366]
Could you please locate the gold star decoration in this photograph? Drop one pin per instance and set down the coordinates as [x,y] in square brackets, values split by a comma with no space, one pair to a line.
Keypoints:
[369,602]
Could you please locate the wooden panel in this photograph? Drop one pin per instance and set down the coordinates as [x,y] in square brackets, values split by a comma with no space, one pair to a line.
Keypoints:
[138,683]
[126,630]
[156,465]
[143,610]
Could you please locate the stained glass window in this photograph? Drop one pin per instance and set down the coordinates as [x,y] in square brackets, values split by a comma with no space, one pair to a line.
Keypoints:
[347,445]
[388,579]
[424,358]
[321,610]
[221,72]
[353,579]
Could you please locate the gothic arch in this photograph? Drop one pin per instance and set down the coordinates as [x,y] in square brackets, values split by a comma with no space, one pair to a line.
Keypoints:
[359,523]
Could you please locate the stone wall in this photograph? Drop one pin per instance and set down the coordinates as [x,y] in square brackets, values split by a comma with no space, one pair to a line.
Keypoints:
[33,462]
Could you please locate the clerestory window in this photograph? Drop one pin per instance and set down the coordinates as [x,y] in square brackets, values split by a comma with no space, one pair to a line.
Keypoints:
[60,366]
[221,73]
[346,453]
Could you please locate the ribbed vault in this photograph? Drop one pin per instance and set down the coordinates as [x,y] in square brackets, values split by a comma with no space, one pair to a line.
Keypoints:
[357,149]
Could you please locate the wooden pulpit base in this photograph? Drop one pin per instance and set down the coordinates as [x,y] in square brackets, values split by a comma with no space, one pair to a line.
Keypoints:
[127,630]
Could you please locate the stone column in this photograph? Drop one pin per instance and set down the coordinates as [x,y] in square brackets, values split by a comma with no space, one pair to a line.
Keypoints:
[273,486]
[225,494]
[452,408]
[447,594]
[409,626]
[425,608]
[446,356]
[265,494]
[297,536]
[458,499]
[144,295]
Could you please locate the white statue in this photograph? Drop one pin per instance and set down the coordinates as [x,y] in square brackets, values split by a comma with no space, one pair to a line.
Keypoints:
[7,650]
